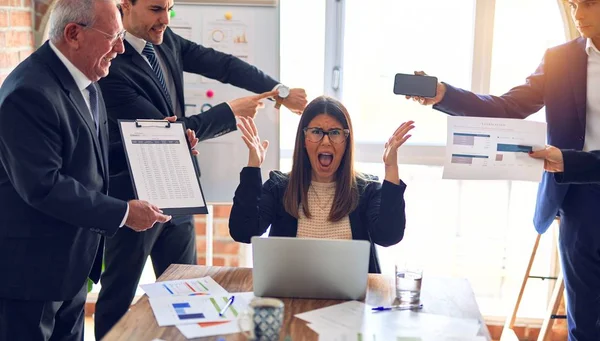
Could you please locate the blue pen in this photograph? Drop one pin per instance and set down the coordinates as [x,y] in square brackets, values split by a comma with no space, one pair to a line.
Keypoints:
[229,303]
[398,307]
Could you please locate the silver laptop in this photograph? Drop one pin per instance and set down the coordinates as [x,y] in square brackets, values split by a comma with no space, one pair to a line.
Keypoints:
[310,268]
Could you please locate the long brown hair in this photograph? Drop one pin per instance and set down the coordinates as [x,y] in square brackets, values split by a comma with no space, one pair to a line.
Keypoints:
[346,190]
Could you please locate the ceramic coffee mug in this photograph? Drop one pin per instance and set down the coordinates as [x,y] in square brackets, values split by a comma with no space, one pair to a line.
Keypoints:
[263,319]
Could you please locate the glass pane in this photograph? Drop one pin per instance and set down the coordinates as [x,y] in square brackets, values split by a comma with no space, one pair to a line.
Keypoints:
[385,37]
[523,30]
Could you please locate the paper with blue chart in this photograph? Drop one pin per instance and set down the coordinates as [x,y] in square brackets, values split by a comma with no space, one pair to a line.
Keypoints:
[493,149]
[176,310]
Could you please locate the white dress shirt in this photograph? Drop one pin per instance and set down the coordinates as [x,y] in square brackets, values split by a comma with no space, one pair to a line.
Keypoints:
[592,108]
[82,83]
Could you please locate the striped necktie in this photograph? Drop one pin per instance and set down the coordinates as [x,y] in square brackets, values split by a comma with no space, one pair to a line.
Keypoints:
[94,105]
[151,55]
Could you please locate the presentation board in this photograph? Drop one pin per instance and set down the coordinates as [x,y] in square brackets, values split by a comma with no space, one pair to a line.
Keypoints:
[248,30]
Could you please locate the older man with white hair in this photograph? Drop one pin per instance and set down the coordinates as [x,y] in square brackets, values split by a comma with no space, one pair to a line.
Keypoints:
[54,211]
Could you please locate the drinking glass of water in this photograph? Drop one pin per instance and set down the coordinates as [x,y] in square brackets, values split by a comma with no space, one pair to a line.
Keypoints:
[408,282]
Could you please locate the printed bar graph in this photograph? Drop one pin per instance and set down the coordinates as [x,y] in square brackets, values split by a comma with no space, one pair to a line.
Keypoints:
[180,310]
[503,147]
[466,139]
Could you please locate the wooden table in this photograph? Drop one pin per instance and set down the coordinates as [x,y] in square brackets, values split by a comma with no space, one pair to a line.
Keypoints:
[450,297]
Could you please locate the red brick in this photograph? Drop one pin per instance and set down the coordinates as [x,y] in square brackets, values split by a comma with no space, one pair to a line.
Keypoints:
[9,59]
[19,39]
[201,261]
[218,261]
[40,8]
[221,228]
[201,246]
[233,261]
[10,3]
[3,18]
[27,3]
[226,247]
[200,227]
[24,54]
[222,211]
[20,19]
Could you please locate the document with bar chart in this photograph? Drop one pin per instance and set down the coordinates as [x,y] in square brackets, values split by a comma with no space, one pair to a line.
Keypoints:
[176,310]
[493,149]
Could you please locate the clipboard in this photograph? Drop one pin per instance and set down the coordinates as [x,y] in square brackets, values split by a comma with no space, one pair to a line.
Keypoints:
[163,169]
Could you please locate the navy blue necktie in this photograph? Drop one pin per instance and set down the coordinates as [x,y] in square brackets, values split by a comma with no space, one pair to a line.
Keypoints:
[151,55]
[94,105]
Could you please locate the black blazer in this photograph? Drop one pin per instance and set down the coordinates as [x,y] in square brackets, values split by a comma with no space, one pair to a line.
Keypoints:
[132,91]
[580,167]
[379,217]
[53,183]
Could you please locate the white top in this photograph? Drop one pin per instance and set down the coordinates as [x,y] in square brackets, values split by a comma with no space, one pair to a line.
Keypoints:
[320,200]
[592,108]
[82,83]
[139,44]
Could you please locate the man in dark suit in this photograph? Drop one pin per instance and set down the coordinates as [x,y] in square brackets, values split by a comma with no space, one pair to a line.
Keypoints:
[146,82]
[567,83]
[54,207]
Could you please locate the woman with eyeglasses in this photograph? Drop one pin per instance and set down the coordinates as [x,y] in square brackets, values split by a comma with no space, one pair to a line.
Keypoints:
[323,196]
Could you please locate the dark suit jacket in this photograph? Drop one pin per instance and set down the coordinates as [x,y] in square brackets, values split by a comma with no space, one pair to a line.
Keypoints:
[580,167]
[379,217]
[559,83]
[132,91]
[53,183]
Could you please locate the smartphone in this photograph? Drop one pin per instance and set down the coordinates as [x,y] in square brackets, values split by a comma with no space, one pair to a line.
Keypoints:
[413,85]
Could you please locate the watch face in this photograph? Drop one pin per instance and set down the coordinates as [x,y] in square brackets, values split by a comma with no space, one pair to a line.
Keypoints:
[284,91]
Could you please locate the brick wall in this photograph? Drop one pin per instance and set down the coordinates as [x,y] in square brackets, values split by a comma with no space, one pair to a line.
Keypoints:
[226,251]
[16,34]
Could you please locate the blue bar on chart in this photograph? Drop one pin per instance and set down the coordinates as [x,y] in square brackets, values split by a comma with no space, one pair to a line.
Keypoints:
[517,148]
[466,139]
[180,309]
[466,159]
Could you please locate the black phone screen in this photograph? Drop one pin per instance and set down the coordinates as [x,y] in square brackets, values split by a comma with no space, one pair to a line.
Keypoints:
[413,85]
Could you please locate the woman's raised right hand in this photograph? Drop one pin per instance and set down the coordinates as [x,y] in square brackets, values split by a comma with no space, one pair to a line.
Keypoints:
[257,149]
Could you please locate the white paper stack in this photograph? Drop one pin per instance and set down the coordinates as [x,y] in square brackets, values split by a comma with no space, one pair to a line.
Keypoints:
[355,321]
[193,306]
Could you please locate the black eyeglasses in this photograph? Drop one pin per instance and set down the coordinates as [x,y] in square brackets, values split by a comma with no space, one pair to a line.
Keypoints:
[314,134]
[112,38]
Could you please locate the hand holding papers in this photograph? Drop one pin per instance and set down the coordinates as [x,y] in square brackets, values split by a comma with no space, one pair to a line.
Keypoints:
[162,167]
[493,149]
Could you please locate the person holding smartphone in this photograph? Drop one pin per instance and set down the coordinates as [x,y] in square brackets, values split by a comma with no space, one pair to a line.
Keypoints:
[566,83]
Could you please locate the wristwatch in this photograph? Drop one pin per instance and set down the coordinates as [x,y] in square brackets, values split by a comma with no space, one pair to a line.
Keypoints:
[284,92]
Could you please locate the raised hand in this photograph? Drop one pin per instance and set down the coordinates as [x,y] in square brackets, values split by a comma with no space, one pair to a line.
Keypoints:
[257,149]
[296,101]
[390,155]
[248,106]
[143,215]
[441,91]
[553,159]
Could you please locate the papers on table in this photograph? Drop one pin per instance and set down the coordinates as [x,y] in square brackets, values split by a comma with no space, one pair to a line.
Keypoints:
[193,305]
[185,287]
[174,310]
[355,321]
[192,331]
[493,149]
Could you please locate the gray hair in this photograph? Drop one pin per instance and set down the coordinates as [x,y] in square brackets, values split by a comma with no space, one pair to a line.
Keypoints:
[65,12]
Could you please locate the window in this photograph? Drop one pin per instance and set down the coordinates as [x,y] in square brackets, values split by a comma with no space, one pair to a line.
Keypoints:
[481,230]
